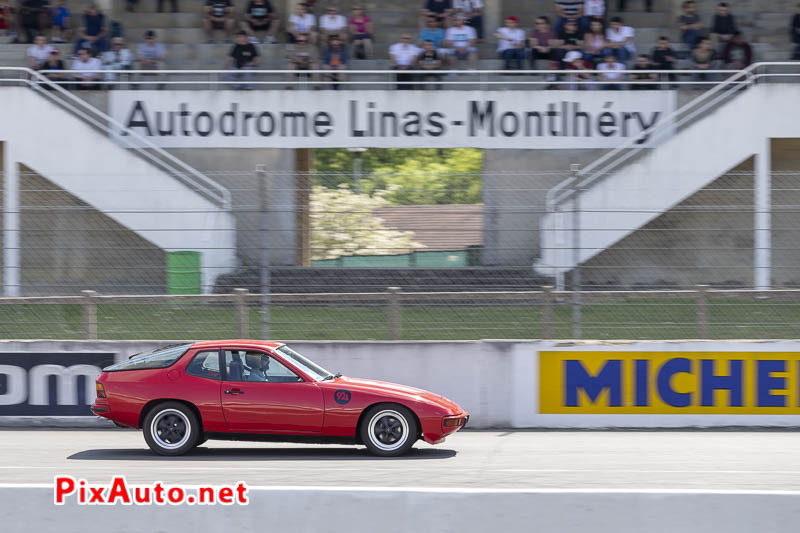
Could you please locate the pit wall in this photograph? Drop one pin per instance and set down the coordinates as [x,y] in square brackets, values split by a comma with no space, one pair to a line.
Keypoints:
[524,384]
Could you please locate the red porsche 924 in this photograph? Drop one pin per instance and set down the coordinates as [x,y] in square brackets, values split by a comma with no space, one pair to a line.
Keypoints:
[181,396]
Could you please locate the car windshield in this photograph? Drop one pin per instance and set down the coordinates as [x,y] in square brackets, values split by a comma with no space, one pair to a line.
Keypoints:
[161,358]
[303,363]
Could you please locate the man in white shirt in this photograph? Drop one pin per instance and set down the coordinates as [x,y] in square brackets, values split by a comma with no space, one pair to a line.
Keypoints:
[511,43]
[459,42]
[620,39]
[472,10]
[38,52]
[404,55]
[85,63]
[301,21]
[332,23]
[611,68]
[118,58]
[595,8]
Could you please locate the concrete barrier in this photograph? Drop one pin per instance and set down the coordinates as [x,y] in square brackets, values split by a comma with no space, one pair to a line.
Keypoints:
[314,509]
[499,382]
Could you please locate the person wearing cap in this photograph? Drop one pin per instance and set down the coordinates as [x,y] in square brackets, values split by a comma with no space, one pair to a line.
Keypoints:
[511,43]
[573,60]
[459,42]
[119,57]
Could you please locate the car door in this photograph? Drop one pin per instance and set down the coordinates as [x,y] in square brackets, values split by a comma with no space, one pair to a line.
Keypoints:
[260,394]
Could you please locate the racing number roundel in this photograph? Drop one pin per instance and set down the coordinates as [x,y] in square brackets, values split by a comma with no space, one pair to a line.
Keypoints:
[342,396]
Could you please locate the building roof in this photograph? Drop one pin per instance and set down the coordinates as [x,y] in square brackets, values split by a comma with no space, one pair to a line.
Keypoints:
[437,227]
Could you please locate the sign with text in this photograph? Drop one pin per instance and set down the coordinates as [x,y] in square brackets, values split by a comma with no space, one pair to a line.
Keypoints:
[393,119]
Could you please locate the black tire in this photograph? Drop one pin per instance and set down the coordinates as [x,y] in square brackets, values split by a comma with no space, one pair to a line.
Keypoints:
[388,430]
[171,428]
[202,440]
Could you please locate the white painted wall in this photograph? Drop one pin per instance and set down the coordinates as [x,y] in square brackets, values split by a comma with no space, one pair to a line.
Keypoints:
[621,203]
[84,162]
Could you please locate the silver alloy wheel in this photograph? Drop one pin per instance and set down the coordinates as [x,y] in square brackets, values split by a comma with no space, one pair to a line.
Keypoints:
[388,430]
[170,429]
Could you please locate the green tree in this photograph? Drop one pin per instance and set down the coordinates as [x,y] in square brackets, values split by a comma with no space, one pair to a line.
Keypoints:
[416,176]
[343,224]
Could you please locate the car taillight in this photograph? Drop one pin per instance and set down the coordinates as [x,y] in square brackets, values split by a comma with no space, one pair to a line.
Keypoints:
[101,391]
[453,422]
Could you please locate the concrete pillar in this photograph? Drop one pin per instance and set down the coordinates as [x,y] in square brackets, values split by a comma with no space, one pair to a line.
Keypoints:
[11,225]
[492,18]
[762,223]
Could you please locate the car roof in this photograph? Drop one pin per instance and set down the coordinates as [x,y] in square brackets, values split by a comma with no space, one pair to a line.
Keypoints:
[255,343]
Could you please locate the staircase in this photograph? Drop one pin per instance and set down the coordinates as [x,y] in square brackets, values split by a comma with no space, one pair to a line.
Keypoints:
[629,187]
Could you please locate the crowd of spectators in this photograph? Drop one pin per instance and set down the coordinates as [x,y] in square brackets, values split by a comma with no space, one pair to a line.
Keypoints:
[582,37]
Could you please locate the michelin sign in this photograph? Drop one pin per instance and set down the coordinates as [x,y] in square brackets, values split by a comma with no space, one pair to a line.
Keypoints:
[646,382]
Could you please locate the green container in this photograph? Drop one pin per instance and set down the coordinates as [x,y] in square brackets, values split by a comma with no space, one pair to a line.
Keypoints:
[183,273]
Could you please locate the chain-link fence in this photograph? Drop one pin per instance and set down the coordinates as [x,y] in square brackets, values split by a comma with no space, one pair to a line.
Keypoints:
[391,256]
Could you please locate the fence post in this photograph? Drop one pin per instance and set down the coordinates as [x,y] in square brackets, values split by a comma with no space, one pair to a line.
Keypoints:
[702,312]
[395,321]
[547,312]
[89,315]
[241,312]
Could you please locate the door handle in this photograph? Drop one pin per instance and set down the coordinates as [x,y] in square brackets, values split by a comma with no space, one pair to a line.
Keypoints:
[234,391]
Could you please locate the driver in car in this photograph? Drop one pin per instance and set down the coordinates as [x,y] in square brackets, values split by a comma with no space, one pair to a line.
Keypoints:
[257,364]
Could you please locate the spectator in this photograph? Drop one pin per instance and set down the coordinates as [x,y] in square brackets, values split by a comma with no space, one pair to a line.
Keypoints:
[738,53]
[429,59]
[7,20]
[663,58]
[332,23]
[93,32]
[567,10]
[611,74]
[117,58]
[32,14]
[620,39]
[38,52]
[440,10]
[242,57]
[431,32]
[689,24]
[643,64]
[459,41]
[595,9]
[573,60]
[361,33]
[567,45]
[511,43]
[723,25]
[703,57]
[161,5]
[302,55]
[88,70]
[301,21]
[623,4]
[404,55]
[794,33]
[570,30]
[219,16]
[595,42]
[472,12]
[260,16]
[61,22]
[542,42]
[51,68]
[151,54]
[335,59]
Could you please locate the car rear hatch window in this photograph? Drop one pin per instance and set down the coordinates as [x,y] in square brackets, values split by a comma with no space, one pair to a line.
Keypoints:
[161,358]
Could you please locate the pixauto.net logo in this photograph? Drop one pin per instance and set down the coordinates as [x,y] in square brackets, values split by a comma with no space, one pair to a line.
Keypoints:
[120,492]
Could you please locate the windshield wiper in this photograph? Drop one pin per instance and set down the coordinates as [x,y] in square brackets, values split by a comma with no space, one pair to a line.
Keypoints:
[331,376]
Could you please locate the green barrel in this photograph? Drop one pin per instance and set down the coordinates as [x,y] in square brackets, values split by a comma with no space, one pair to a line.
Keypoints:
[183,273]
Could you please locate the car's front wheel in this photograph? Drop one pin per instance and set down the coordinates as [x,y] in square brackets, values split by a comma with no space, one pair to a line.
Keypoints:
[171,428]
[388,430]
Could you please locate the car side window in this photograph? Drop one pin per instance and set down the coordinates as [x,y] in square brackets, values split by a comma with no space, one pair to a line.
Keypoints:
[205,365]
[244,365]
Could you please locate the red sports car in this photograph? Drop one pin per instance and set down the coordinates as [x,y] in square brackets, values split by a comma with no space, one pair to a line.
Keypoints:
[185,394]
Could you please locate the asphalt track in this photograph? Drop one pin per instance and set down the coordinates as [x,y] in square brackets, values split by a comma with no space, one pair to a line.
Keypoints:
[623,460]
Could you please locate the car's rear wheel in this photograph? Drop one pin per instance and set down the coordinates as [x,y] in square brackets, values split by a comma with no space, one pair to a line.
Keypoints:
[388,430]
[171,428]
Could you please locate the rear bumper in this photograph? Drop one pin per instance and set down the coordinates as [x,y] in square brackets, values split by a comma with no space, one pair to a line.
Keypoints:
[101,409]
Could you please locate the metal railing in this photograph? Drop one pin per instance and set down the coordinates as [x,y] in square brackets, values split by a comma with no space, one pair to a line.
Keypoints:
[108,125]
[701,313]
